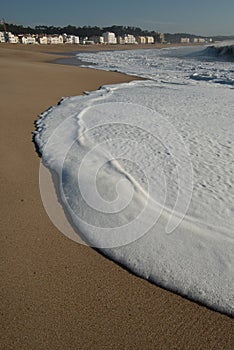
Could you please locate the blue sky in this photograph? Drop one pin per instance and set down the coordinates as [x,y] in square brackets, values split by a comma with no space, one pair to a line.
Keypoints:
[208,17]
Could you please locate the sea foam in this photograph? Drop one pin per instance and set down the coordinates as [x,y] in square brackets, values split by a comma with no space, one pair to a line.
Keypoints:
[146,172]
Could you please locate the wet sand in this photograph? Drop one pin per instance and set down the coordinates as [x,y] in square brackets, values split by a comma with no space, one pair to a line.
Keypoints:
[56,294]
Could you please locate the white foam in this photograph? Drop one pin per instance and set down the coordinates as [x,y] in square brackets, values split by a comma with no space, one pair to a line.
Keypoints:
[131,156]
[175,65]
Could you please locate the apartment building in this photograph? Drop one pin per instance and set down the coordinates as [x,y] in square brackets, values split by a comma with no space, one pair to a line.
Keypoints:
[42,39]
[199,40]
[54,39]
[141,39]
[13,39]
[126,39]
[120,40]
[109,38]
[129,39]
[185,40]
[8,37]
[27,39]
[71,39]
[149,40]
[161,37]
[2,37]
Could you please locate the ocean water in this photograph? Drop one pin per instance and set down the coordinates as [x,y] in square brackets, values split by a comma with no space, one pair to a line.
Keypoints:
[146,169]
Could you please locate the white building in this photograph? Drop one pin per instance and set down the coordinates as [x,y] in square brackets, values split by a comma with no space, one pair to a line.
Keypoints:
[109,38]
[13,39]
[120,40]
[2,37]
[55,39]
[129,39]
[185,40]
[9,37]
[141,40]
[75,39]
[71,39]
[42,39]
[149,40]
[161,37]
[27,39]
[199,40]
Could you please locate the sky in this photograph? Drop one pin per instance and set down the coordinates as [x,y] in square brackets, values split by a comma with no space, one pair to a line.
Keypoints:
[201,17]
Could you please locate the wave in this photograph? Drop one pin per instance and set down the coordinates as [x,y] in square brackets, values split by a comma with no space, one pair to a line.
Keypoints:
[220,52]
[173,66]
[123,169]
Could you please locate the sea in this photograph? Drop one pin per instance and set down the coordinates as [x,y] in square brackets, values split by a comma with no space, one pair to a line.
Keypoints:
[145,170]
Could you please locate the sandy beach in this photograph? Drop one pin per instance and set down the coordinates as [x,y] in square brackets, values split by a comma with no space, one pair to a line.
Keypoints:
[56,294]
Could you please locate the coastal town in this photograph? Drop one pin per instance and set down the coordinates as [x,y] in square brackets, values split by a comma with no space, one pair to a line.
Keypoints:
[105,38]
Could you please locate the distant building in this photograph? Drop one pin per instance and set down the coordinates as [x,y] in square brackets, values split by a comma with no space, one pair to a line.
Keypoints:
[42,39]
[109,38]
[141,39]
[11,38]
[185,40]
[126,39]
[55,39]
[83,40]
[76,39]
[2,37]
[159,37]
[162,38]
[27,39]
[120,40]
[71,39]
[149,40]
[67,39]
[129,39]
[201,40]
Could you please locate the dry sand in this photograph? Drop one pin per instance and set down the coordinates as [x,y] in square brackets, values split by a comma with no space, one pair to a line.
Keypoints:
[56,294]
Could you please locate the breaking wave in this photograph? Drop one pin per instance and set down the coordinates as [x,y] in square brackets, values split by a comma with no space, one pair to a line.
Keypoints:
[220,52]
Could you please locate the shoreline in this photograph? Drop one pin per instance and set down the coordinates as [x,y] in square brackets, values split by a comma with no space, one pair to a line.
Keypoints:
[64,50]
[55,292]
